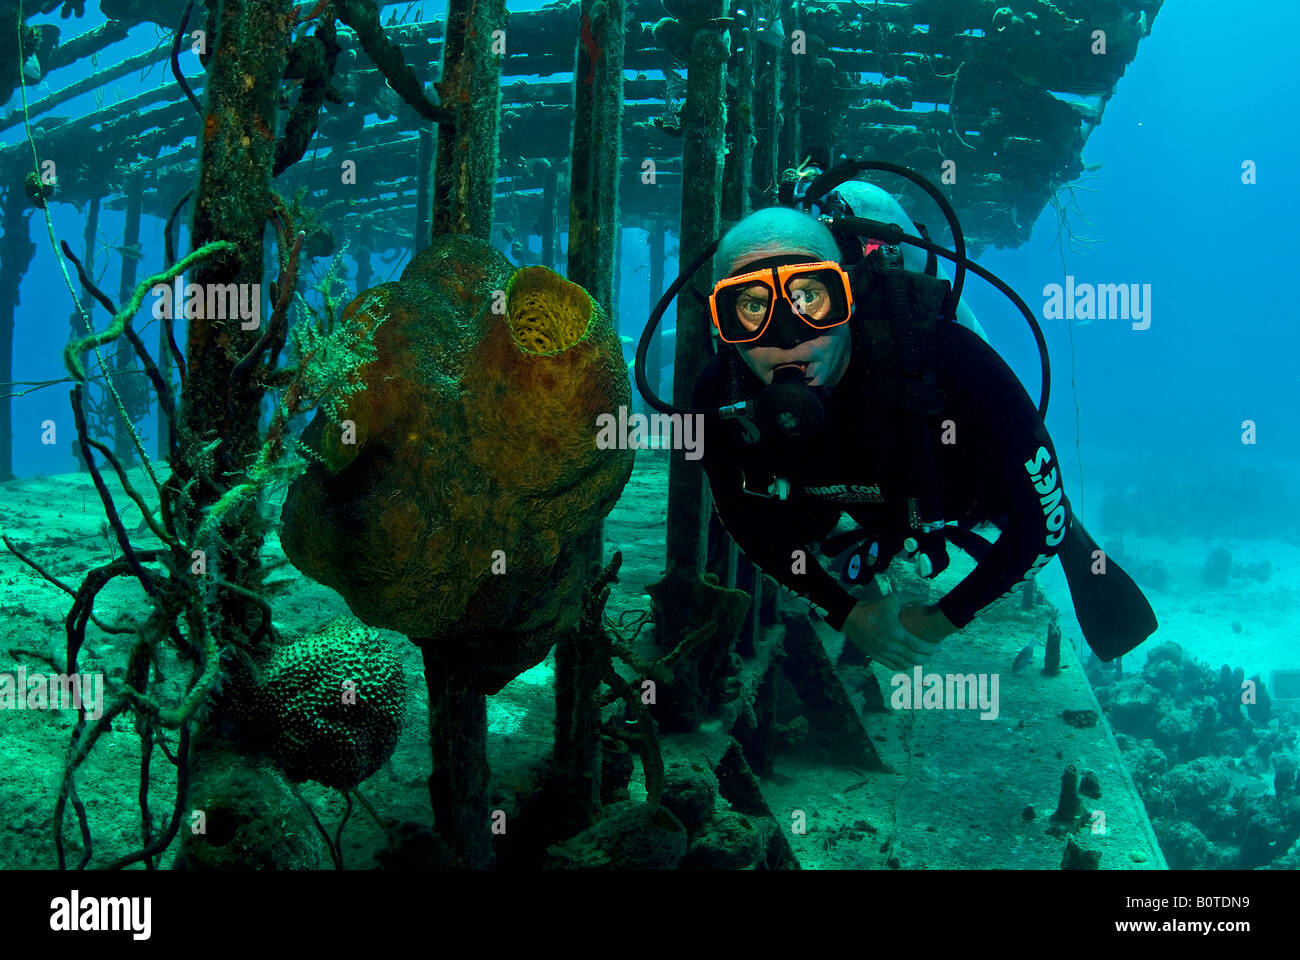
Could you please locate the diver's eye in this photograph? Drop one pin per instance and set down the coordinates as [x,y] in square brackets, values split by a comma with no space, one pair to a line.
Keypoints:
[809,298]
[751,307]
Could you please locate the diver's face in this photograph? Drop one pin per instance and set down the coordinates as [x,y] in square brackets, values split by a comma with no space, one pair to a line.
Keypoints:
[822,360]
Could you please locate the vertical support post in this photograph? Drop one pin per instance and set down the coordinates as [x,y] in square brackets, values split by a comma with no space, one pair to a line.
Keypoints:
[654,361]
[597,147]
[767,116]
[458,785]
[703,124]
[423,173]
[124,365]
[736,185]
[616,314]
[549,200]
[16,252]
[250,48]
[592,261]
[683,600]
[791,100]
[465,168]
[579,666]
[164,360]
[737,175]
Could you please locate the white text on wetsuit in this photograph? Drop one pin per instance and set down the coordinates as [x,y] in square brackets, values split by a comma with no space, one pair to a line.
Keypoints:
[1048,486]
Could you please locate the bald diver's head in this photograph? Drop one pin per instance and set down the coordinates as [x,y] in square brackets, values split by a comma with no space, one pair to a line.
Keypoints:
[774,236]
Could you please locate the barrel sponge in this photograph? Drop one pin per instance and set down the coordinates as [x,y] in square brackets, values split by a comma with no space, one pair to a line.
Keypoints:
[329,706]
[454,499]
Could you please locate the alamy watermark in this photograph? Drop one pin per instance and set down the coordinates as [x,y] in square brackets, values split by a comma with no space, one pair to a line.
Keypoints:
[919,690]
[75,913]
[1086,302]
[633,432]
[209,301]
[52,691]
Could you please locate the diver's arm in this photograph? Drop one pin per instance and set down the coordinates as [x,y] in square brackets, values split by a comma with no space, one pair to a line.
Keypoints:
[774,536]
[1019,476]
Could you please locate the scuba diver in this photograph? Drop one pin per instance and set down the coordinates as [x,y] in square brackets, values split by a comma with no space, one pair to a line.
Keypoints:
[846,383]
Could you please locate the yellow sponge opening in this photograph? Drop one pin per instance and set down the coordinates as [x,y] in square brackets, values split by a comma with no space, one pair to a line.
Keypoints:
[547,314]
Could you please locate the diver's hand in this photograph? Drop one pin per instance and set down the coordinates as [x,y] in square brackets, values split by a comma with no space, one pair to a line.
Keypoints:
[928,623]
[875,629]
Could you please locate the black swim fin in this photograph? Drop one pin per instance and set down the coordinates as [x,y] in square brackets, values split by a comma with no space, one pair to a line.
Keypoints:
[1114,615]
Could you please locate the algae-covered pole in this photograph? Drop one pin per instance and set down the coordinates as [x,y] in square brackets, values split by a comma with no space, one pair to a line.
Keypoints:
[597,149]
[550,189]
[767,114]
[592,261]
[736,185]
[249,40]
[464,182]
[615,313]
[685,604]
[168,348]
[423,172]
[737,175]
[703,133]
[791,90]
[16,252]
[250,47]
[465,167]
[654,361]
[459,781]
[123,445]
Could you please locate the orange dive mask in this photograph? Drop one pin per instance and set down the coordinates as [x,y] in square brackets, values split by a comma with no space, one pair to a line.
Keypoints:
[787,297]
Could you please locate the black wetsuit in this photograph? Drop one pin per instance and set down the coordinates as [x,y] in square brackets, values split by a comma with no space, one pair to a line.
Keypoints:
[1001,469]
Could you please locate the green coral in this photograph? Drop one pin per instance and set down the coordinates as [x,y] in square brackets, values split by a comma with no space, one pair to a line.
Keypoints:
[327,707]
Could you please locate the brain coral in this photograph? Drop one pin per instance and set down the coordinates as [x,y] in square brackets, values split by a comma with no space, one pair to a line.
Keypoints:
[327,707]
